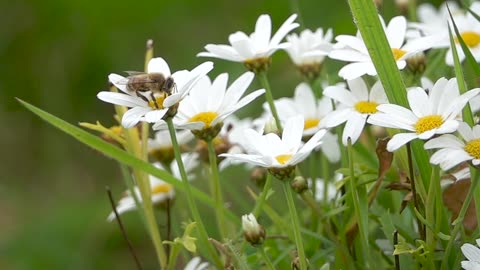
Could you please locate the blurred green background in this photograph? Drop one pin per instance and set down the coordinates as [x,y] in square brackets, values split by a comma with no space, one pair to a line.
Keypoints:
[57,55]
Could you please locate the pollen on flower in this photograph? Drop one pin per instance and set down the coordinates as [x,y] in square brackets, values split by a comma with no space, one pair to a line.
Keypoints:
[366,107]
[398,53]
[282,159]
[205,117]
[473,148]
[310,123]
[427,123]
[162,188]
[472,39]
[158,102]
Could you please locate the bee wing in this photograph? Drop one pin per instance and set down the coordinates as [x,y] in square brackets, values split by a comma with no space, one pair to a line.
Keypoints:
[122,81]
[133,73]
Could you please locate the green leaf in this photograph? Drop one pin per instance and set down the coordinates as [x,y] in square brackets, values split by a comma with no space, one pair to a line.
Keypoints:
[120,155]
[467,112]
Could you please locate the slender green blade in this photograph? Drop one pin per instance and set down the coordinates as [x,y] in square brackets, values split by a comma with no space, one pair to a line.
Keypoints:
[118,154]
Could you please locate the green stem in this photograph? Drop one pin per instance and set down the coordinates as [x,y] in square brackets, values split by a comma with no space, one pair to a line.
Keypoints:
[413,184]
[191,203]
[217,191]
[430,212]
[172,258]
[261,200]
[360,204]
[268,95]
[266,259]
[296,224]
[458,223]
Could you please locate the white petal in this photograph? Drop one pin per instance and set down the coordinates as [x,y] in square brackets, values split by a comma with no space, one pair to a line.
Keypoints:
[286,27]
[358,88]
[119,81]
[396,31]
[133,116]
[466,131]
[353,128]
[237,89]
[216,92]
[263,31]
[158,65]
[244,48]
[400,139]
[471,252]
[155,115]
[355,70]
[377,93]
[444,141]
[292,132]
[222,52]
[336,118]
[419,103]
[121,99]
[341,95]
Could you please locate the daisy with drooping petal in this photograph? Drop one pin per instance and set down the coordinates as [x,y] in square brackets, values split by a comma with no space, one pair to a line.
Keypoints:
[196,264]
[453,151]
[355,106]
[209,103]
[308,50]
[161,190]
[472,254]
[271,151]
[469,29]
[430,114]
[256,48]
[143,108]
[353,49]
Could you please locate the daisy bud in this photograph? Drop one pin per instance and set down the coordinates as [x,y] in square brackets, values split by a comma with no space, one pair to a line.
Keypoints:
[270,126]
[258,65]
[402,6]
[254,233]
[417,63]
[299,184]
[378,3]
[259,176]
[310,71]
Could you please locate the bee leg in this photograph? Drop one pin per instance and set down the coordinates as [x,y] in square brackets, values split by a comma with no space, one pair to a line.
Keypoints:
[141,96]
[154,100]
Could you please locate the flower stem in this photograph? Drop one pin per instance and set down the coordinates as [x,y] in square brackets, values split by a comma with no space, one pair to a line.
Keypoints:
[212,156]
[266,259]
[430,212]
[269,97]
[458,223]
[191,203]
[360,204]
[421,227]
[263,196]
[296,224]
[173,256]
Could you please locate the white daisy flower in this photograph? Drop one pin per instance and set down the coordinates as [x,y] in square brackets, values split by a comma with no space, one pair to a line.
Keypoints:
[472,254]
[161,190]
[313,111]
[453,151]
[430,114]
[196,264]
[260,44]
[271,151]
[355,106]
[309,47]
[469,29]
[353,49]
[152,110]
[209,103]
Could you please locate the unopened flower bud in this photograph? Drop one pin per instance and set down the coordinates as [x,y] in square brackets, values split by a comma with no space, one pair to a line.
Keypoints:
[417,63]
[402,6]
[270,126]
[299,184]
[254,233]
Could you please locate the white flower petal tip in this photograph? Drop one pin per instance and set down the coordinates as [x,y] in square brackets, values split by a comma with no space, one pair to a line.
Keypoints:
[259,44]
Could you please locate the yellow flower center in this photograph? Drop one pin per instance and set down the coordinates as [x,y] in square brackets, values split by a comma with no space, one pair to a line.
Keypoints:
[310,123]
[471,38]
[282,159]
[397,53]
[205,117]
[366,107]
[158,102]
[473,148]
[162,188]
[427,123]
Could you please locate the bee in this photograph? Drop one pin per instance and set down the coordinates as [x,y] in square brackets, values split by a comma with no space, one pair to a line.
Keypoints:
[140,82]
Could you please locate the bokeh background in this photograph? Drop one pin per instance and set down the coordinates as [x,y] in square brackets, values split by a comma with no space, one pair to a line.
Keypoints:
[56,55]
